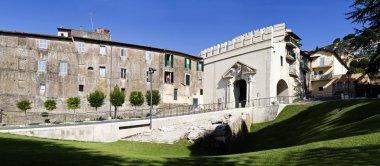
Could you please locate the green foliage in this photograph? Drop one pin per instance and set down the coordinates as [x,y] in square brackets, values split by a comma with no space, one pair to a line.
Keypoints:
[96,99]
[356,70]
[23,105]
[367,13]
[311,134]
[136,98]
[156,97]
[349,36]
[50,105]
[359,66]
[337,40]
[73,103]
[117,97]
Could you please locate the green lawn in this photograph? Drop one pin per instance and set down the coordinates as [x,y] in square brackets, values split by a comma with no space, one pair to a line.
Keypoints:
[328,133]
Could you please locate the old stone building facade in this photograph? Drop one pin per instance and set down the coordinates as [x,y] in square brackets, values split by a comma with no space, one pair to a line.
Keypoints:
[76,62]
[263,63]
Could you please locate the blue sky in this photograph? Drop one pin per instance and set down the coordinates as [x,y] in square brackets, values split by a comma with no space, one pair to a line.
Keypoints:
[183,25]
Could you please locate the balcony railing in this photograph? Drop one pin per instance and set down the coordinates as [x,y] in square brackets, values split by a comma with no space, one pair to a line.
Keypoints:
[290,41]
[321,77]
[323,64]
[293,71]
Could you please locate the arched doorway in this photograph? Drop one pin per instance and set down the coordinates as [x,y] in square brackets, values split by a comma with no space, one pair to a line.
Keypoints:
[240,92]
[282,92]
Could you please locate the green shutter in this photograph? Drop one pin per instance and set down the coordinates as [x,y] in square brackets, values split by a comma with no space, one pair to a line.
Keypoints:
[203,66]
[190,63]
[185,63]
[166,60]
[172,79]
[197,65]
[172,59]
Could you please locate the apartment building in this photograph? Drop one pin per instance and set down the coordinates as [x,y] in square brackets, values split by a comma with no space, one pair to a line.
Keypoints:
[76,62]
[327,67]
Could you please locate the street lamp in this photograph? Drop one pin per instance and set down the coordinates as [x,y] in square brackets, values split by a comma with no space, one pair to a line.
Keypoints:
[150,72]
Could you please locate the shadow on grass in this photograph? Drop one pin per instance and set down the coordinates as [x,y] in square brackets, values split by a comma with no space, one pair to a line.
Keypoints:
[324,121]
[14,151]
[362,155]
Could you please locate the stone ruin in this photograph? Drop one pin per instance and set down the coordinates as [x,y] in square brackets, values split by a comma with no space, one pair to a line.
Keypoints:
[219,132]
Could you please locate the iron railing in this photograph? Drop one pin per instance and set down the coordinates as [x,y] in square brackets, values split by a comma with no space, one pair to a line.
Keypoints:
[31,118]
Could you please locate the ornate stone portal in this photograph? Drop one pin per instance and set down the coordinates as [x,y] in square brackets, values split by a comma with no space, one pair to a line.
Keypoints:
[236,75]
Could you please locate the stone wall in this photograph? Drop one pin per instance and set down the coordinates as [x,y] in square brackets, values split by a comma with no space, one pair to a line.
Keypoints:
[20,78]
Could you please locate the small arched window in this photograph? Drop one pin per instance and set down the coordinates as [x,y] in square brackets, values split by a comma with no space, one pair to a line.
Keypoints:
[90,68]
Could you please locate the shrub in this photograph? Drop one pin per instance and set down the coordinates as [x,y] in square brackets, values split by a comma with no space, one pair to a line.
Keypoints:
[136,98]
[156,97]
[96,99]
[23,105]
[45,114]
[117,98]
[73,103]
[50,105]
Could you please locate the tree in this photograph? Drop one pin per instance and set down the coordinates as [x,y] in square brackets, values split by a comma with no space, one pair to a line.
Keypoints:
[50,105]
[117,98]
[349,36]
[136,98]
[367,13]
[24,105]
[73,103]
[156,97]
[96,99]
[336,41]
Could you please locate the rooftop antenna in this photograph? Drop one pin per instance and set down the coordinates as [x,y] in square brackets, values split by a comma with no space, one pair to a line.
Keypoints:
[92,22]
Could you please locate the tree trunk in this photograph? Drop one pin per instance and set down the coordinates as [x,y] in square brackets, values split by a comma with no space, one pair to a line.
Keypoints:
[115,116]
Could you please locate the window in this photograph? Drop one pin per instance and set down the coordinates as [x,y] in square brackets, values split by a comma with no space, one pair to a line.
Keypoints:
[169,77]
[81,88]
[102,50]
[124,52]
[123,73]
[102,71]
[200,66]
[41,66]
[320,72]
[169,60]
[339,86]
[281,60]
[187,79]
[42,43]
[175,94]
[63,68]
[42,87]
[81,47]
[322,61]
[187,63]
[320,88]
[148,55]
[201,92]
[123,89]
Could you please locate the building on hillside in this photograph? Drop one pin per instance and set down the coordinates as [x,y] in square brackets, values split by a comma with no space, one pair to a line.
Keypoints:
[260,64]
[351,85]
[326,68]
[76,62]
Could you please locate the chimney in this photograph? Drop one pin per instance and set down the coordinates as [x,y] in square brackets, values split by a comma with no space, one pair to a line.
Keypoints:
[102,31]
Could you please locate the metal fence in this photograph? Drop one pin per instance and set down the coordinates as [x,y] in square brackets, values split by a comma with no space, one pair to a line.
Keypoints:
[34,118]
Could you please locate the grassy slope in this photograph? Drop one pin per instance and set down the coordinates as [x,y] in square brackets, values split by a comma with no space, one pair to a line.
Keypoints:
[314,134]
